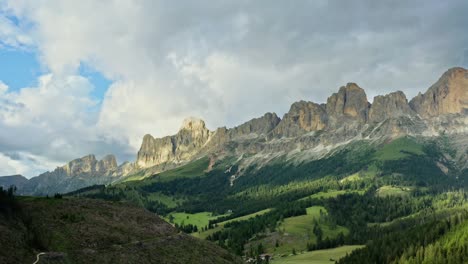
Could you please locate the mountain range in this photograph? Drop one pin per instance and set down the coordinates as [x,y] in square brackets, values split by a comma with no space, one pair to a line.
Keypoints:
[308,131]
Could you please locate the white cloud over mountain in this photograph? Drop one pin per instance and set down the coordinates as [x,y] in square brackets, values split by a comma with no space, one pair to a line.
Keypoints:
[223,61]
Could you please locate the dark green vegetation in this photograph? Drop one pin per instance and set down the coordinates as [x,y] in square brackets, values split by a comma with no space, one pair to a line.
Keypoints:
[397,199]
[93,231]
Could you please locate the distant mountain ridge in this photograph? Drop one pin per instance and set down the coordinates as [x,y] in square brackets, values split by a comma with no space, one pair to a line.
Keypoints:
[307,131]
[75,174]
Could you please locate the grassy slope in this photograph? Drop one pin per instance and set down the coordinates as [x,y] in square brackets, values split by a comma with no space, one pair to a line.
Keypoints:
[317,257]
[198,219]
[221,224]
[169,201]
[330,194]
[301,226]
[393,191]
[93,231]
[195,168]
[398,149]
[295,232]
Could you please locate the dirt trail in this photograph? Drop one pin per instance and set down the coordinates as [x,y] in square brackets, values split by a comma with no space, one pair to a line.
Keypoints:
[38,256]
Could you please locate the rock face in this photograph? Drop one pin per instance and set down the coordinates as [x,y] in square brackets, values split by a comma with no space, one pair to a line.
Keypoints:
[183,146]
[349,103]
[89,165]
[255,127]
[302,117]
[389,106]
[449,95]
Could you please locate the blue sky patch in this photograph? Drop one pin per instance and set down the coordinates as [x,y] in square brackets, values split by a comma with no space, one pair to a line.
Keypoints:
[100,82]
[19,68]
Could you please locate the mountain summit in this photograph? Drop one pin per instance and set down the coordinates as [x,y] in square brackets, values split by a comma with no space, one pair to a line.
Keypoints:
[449,95]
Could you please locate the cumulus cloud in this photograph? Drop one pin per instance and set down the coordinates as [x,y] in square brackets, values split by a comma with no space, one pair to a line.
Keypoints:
[224,61]
[53,122]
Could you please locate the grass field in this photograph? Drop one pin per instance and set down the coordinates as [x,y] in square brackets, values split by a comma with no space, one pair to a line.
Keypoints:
[317,257]
[169,201]
[393,191]
[193,169]
[198,219]
[295,232]
[246,217]
[220,226]
[330,194]
[302,225]
[399,149]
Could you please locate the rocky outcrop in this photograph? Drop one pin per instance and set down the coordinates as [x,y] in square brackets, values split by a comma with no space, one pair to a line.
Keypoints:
[350,103]
[255,127]
[302,117]
[74,175]
[192,136]
[449,95]
[389,106]
[90,165]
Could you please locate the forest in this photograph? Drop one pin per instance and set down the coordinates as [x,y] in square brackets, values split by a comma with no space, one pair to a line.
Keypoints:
[368,198]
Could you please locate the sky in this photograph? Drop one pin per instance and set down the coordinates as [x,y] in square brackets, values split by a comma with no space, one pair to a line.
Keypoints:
[81,77]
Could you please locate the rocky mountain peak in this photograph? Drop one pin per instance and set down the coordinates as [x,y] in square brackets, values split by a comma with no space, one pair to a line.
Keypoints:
[302,117]
[89,165]
[192,136]
[257,126]
[80,165]
[350,102]
[193,129]
[449,95]
[193,123]
[107,163]
[388,106]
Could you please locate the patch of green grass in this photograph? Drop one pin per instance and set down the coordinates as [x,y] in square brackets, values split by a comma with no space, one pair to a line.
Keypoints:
[246,217]
[169,201]
[302,225]
[295,232]
[399,149]
[193,169]
[134,177]
[325,256]
[331,194]
[388,190]
[198,219]
[220,226]
[351,178]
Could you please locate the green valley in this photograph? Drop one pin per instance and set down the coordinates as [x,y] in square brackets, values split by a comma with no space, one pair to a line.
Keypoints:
[301,212]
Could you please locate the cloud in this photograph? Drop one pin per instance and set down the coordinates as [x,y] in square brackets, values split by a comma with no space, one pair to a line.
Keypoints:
[54,122]
[25,164]
[224,61]
[3,88]
[12,35]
